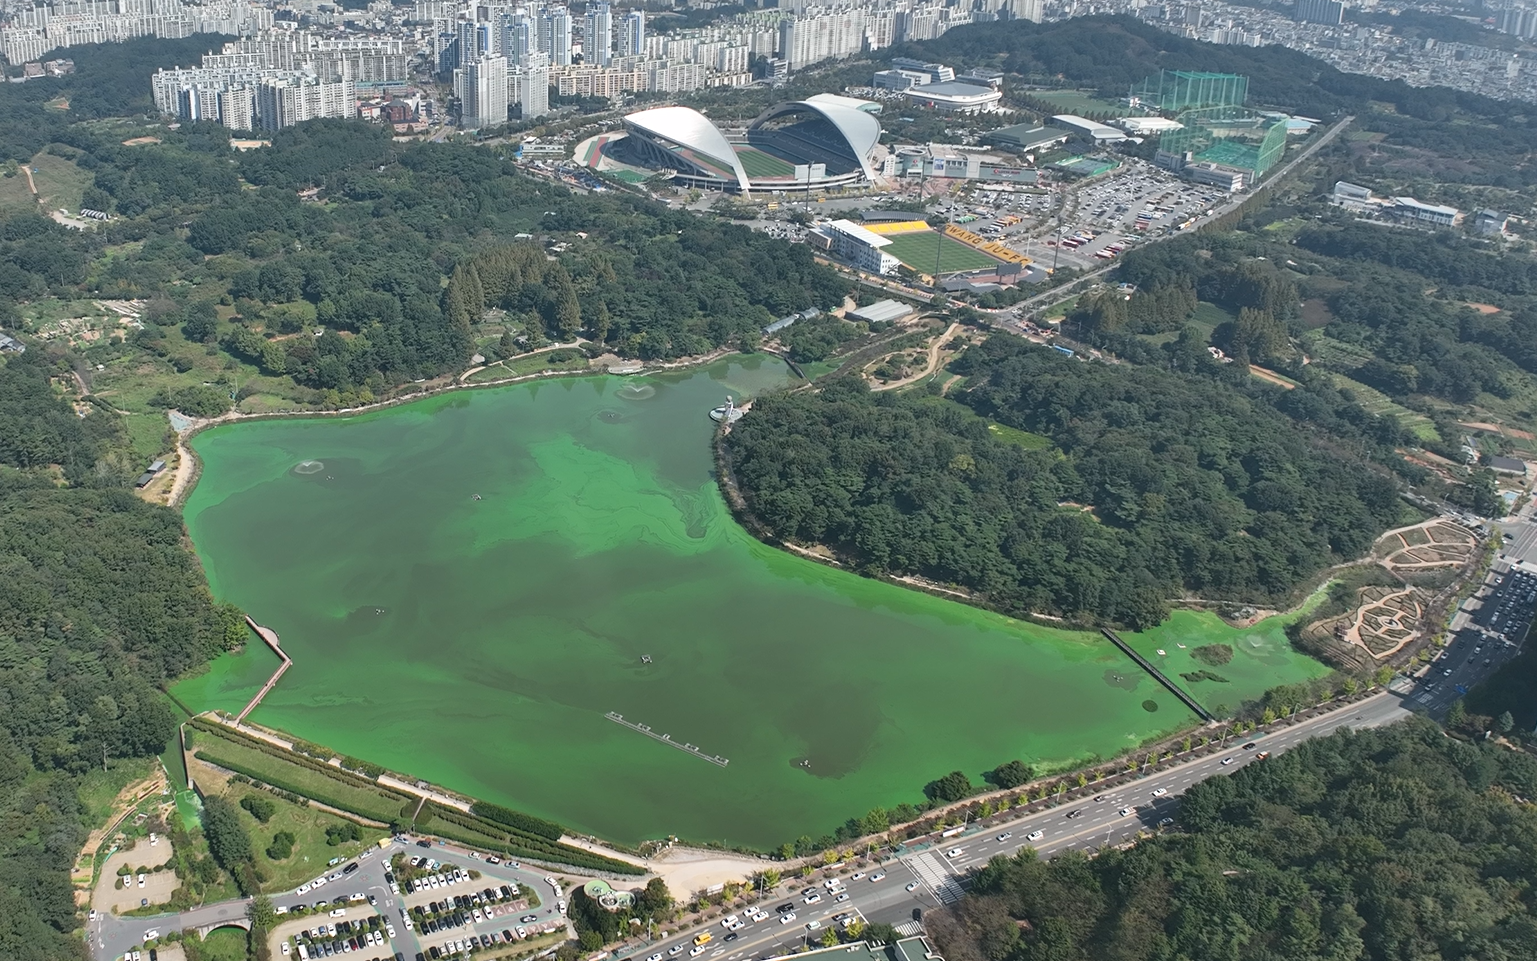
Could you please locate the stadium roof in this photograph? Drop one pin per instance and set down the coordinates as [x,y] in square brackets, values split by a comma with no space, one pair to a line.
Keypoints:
[689,128]
[853,103]
[860,130]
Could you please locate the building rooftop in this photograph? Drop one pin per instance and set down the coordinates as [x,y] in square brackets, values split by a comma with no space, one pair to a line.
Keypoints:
[882,311]
[851,229]
[1023,135]
[1508,464]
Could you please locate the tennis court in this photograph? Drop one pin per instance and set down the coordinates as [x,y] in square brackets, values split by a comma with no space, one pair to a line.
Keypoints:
[759,164]
[916,250]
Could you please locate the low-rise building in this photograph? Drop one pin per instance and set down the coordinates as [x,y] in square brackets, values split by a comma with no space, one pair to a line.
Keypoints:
[1407,208]
[955,97]
[858,247]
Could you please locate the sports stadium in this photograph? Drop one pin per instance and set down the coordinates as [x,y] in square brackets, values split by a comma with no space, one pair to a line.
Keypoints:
[798,145]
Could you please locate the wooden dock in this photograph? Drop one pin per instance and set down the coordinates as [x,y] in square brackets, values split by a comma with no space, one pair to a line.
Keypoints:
[667,740]
[271,637]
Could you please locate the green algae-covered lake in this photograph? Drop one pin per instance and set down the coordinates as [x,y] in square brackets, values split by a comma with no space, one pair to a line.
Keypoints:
[479,643]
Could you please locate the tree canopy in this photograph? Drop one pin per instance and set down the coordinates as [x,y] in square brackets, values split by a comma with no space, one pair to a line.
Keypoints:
[1158,485]
[1389,843]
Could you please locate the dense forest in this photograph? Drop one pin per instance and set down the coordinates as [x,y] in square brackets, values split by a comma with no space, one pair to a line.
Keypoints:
[1390,843]
[1155,484]
[1492,141]
[241,271]
[1374,294]
[100,602]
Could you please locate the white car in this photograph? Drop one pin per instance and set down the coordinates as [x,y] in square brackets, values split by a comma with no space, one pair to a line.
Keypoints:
[1127,812]
[697,951]
[841,898]
[1004,836]
[729,920]
[856,875]
[655,957]
[878,876]
[675,949]
[1161,792]
[1035,835]
[813,925]
[787,917]
[151,935]
[141,880]
[912,886]
[1227,760]
[338,912]
[284,947]
[813,898]
[954,853]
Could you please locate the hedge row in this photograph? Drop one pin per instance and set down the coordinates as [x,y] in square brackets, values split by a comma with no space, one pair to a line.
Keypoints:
[478,829]
[521,846]
[310,793]
[517,820]
[291,757]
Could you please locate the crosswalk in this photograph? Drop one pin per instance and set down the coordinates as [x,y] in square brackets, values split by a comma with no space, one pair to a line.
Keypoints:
[935,874]
[909,928]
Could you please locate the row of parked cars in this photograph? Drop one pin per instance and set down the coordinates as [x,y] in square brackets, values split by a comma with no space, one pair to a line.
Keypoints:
[341,937]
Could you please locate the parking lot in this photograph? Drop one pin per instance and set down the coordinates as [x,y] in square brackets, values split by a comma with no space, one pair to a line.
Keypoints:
[1104,217]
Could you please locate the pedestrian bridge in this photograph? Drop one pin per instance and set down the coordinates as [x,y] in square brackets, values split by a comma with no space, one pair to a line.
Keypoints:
[205,930]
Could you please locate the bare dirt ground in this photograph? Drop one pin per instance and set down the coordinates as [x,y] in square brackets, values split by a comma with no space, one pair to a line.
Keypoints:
[1271,376]
[1497,429]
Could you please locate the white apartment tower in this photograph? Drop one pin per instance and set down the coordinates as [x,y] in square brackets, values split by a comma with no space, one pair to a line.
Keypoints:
[598,35]
[528,86]
[632,34]
[481,87]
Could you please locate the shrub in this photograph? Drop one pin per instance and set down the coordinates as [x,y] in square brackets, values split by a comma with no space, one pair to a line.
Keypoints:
[261,808]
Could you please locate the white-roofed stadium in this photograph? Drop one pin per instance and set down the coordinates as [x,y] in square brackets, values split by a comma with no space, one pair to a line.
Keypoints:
[790,146]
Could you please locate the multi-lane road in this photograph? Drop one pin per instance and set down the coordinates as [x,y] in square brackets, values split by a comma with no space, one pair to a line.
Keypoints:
[936,879]
[111,936]
[922,877]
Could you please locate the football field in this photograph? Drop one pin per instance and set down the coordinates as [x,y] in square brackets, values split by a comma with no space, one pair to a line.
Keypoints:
[916,250]
[760,164]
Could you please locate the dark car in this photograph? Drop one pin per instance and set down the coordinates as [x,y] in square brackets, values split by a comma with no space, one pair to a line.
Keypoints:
[424,843]
[785,908]
[528,919]
[1250,746]
[1074,814]
[350,868]
[730,937]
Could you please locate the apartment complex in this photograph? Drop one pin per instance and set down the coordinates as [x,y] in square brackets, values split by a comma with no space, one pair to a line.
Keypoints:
[36,28]
[279,78]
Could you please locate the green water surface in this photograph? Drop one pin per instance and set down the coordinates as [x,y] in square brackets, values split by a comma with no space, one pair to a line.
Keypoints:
[480,643]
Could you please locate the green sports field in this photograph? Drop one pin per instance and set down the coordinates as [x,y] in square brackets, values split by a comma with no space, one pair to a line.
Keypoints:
[916,250]
[759,164]
[1077,102]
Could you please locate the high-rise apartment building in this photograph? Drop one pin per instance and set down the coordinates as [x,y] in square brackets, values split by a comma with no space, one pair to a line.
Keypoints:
[598,34]
[1320,11]
[632,34]
[284,101]
[481,86]
[528,87]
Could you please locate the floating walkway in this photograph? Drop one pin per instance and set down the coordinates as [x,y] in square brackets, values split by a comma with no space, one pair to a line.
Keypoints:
[271,637]
[666,739]
[1159,676]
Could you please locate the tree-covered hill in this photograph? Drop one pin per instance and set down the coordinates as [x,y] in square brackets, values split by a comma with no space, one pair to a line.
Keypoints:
[100,603]
[1388,844]
[1158,483]
[1493,141]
